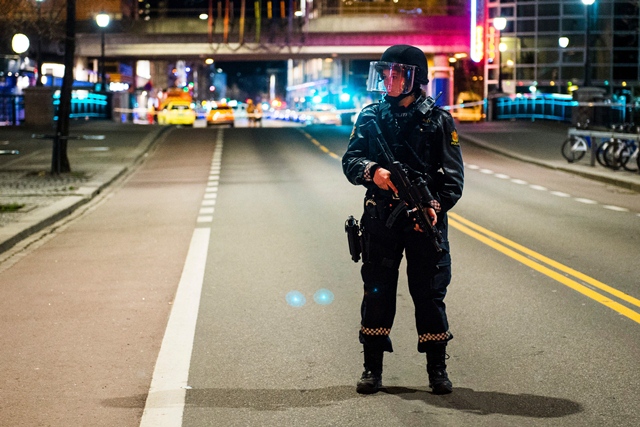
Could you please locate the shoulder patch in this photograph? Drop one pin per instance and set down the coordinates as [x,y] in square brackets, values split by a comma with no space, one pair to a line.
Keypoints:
[454,138]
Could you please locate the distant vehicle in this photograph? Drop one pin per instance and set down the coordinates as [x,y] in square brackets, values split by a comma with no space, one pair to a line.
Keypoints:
[177,113]
[471,113]
[323,114]
[221,115]
[240,111]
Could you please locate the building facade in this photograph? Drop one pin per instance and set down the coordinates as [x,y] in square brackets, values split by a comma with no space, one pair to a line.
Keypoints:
[558,46]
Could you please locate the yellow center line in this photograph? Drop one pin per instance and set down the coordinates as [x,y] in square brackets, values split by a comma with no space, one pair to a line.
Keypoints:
[319,145]
[492,239]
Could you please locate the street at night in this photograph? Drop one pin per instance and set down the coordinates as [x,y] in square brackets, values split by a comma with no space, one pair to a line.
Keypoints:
[212,285]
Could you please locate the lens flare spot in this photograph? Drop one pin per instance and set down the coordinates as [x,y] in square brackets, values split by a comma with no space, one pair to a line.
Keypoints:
[296,299]
[323,296]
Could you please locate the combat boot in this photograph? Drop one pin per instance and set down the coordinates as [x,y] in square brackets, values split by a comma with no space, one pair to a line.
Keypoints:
[437,369]
[371,380]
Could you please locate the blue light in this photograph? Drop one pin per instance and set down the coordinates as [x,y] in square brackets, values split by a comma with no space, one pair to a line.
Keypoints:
[295,299]
[323,296]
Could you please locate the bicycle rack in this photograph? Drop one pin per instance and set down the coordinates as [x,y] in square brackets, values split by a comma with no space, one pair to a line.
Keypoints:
[601,135]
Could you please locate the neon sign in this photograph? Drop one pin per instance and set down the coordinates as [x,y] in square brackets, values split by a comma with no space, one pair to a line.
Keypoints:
[476,45]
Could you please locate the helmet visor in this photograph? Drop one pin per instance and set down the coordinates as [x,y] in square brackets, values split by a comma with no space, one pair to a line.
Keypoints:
[391,77]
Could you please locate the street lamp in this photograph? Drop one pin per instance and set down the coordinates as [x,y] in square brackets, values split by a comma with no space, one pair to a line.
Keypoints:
[20,43]
[102,19]
[587,59]
[500,24]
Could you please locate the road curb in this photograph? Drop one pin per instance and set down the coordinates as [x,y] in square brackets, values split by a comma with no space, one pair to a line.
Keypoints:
[40,218]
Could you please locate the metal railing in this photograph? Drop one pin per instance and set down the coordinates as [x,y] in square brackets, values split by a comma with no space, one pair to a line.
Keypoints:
[85,104]
[281,9]
[11,109]
[542,107]
[601,113]
[405,7]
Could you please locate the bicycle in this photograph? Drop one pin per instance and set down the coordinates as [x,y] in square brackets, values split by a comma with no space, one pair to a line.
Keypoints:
[623,153]
[575,147]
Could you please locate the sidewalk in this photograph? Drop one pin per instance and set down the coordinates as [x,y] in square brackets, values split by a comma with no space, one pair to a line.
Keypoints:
[45,199]
[95,164]
[540,143]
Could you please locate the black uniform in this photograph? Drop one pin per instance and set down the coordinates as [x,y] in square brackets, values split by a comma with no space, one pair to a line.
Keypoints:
[429,147]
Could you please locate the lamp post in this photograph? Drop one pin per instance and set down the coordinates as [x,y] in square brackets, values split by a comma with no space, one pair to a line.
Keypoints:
[563,42]
[500,24]
[39,45]
[102,19]
[587,59]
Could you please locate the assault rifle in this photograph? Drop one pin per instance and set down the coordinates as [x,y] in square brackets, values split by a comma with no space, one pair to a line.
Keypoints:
[414,194]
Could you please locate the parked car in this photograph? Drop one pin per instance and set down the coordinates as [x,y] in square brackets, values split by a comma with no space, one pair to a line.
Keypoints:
[177,113]
[221,115]
[465,112]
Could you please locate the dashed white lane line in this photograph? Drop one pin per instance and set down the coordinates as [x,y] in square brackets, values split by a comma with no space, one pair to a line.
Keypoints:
[585,201]
[542,188]
[616,208]
[166,398]
[538,187]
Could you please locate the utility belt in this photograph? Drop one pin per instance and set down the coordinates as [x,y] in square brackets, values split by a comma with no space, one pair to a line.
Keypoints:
[385,206]
[381,208]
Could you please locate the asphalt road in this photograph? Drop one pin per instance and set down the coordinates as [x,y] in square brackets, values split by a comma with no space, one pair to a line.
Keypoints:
[247,225]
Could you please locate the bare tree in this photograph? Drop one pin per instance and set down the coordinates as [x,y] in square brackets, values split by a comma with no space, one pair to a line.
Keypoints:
[42,22]
[59,159]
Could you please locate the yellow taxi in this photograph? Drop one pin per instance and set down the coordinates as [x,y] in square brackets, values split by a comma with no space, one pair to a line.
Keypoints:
[220,115]
[177,113]
[468,107]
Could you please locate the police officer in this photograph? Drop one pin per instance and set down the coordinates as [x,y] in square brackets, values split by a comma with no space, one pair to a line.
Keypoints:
[426,142]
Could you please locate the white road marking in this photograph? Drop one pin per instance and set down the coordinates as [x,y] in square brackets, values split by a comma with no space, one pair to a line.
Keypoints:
[616,208]
[538,187]
[585,201]
[541,188]
[165,401]
[519,181]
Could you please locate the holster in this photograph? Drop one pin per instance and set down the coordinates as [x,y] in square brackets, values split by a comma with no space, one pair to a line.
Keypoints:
[354,237]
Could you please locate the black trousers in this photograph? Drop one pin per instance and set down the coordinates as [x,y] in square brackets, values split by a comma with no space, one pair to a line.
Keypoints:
[428,274]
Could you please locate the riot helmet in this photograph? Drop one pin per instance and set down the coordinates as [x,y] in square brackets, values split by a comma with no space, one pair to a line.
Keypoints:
[400,71]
